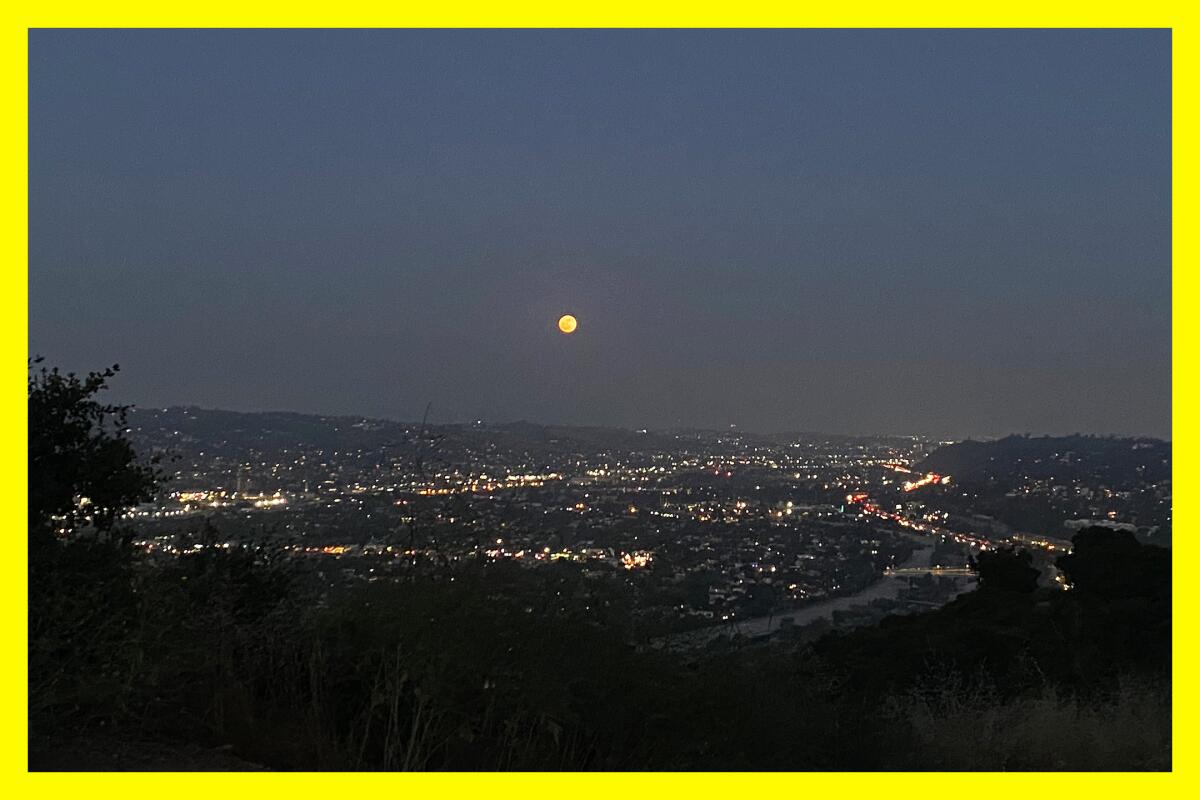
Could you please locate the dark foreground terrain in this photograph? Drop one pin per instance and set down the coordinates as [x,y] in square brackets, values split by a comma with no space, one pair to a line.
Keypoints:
[220,655]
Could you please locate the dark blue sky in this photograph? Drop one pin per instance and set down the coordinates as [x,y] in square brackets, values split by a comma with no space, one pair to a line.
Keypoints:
[935,232]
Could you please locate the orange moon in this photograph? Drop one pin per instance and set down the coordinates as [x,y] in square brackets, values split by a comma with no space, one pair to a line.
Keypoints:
[567,323]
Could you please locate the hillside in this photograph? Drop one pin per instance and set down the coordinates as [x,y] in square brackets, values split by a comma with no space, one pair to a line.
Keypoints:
[1016,459]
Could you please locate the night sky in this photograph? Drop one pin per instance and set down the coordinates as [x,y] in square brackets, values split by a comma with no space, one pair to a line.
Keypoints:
[947,233]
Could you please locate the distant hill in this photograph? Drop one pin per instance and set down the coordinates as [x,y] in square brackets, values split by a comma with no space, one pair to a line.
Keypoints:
[1048,485]
[1096,459]
[223,432]
[230,433]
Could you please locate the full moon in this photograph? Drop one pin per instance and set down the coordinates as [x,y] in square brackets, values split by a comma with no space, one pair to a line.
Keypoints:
[567,323]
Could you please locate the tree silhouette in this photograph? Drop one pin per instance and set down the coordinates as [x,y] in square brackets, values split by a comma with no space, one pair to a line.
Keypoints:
[81,467]
[1113,565]
[1006,568]
[82,607]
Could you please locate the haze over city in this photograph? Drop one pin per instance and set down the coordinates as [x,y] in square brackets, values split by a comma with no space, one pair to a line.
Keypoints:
[944,233]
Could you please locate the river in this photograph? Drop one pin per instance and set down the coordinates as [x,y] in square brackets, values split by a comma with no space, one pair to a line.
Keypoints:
[888,588]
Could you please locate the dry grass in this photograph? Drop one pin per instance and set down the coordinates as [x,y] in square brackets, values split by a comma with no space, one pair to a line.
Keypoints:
[968,728]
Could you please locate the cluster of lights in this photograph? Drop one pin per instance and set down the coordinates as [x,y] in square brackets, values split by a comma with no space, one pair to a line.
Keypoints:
[930,478]
[270,502]
[636,560]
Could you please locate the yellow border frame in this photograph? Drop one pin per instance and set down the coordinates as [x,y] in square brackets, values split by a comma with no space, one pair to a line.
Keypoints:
[19,17]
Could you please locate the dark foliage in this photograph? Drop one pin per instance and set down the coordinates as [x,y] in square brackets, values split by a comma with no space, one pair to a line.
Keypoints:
[82,604]
[81,465]
[1006,569]
[1112,565]
[481,673]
